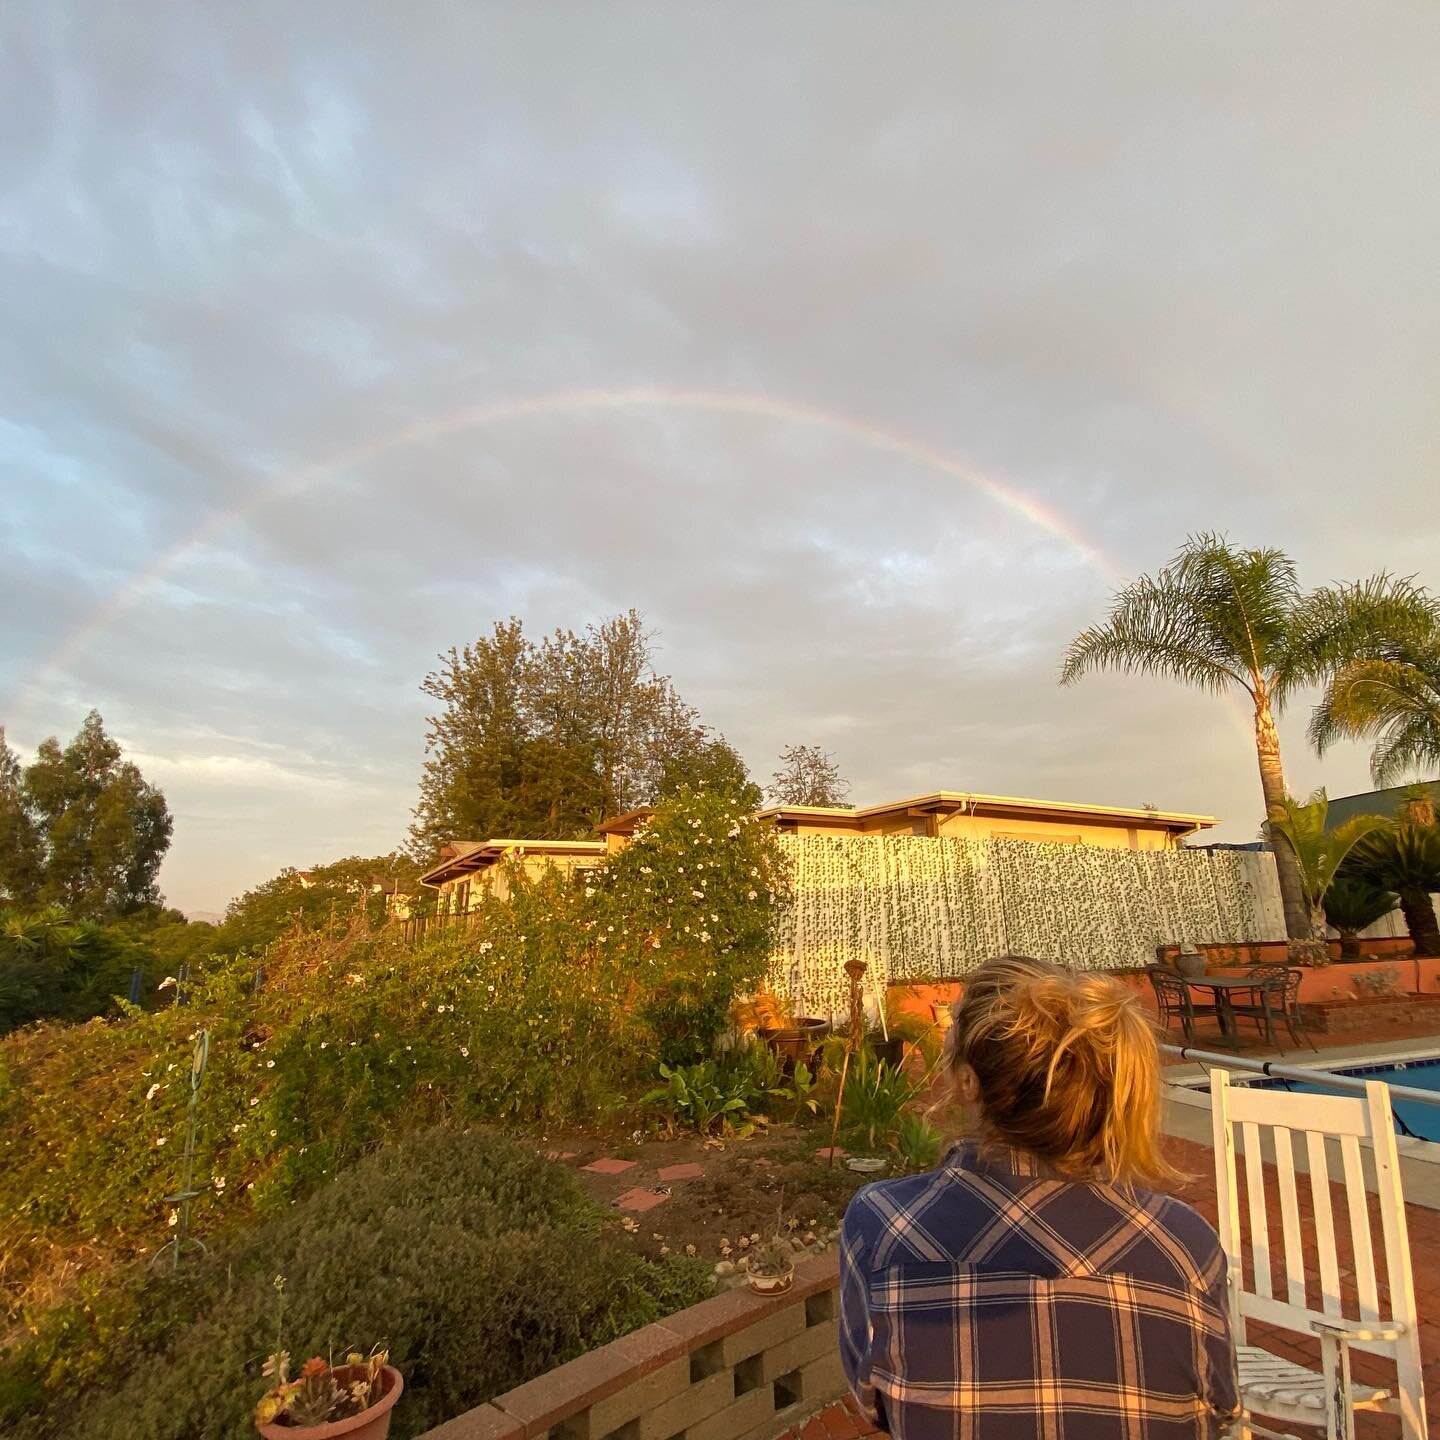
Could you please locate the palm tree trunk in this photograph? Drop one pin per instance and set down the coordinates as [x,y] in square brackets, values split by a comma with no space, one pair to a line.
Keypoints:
[1420,921]
[1298,925]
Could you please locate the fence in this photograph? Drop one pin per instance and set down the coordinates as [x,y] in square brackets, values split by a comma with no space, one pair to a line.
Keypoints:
[924,908]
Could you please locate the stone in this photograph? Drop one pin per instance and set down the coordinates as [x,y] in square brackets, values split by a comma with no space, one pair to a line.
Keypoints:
[640,1200]
[688,1171]
[609,1166]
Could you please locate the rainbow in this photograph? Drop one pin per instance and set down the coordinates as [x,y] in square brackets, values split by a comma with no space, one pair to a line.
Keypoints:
[570,402]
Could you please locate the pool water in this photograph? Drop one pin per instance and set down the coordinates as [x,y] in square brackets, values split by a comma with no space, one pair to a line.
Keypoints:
[1412,1116]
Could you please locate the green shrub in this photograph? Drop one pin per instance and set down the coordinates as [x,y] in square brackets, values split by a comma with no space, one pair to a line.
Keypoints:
[477,1264]
[875,1096]
[917,1142]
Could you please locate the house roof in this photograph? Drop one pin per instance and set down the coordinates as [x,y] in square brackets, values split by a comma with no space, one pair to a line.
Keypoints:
[1374,802]
[627,823]
[1019,807]
[465,857]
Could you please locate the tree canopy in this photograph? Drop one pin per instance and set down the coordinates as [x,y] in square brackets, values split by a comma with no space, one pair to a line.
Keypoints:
[1223,618]
[808,775]
[80,828]
[545,740]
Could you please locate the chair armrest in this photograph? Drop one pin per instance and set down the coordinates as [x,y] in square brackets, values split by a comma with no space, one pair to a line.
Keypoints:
[1348,1330]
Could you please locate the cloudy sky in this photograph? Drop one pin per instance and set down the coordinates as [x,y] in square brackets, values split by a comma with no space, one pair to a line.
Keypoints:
[861,347]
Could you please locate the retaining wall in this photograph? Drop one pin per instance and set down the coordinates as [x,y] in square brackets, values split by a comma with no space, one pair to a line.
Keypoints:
[737,1367]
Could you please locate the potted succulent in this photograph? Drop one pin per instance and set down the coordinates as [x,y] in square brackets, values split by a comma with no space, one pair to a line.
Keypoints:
[325,1402]
[770,1266]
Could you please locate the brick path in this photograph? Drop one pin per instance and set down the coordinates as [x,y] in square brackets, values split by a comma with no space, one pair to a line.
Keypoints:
[841,1421]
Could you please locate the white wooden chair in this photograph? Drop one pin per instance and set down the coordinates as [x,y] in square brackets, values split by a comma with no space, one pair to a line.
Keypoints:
[1348,1313]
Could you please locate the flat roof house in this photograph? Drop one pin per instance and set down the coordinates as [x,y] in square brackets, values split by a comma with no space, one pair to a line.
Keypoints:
[465,863]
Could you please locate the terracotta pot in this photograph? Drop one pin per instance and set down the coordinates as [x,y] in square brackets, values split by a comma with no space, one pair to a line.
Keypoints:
[371,1424]
[795,1042]
[770,1284]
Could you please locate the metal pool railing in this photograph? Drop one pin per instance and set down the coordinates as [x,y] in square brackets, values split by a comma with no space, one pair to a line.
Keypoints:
[1328,1078]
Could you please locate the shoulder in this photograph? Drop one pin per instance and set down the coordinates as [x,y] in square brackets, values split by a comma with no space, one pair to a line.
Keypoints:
[1185,1236]
[874,1208]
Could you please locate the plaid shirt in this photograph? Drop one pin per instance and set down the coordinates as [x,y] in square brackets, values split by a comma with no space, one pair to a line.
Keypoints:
[985,1301]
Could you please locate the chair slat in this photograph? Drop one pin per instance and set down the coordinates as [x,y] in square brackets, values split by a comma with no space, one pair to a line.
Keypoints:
[1361,1242]
[1289,1214]
[1255,1205]
[1324,1223]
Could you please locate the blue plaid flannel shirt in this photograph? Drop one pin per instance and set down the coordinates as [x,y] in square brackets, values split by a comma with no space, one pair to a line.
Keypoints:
[985,1300]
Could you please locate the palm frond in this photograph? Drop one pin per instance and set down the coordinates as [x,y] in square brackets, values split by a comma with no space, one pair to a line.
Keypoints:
[1382,618]
[1156,627]
[1319,850]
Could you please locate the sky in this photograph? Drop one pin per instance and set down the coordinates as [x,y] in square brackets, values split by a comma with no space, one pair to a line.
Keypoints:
[864,349]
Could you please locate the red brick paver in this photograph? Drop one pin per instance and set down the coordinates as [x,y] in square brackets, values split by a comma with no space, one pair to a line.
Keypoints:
[640,1200]
[609,1166]
[825,1152]
[687,1171]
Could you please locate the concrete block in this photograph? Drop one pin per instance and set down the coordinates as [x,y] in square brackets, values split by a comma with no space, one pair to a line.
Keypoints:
[484,1422]
[695,1404]
[751,1410]
[761,1334]
[672,1378]
[799,1350]
[823,1379]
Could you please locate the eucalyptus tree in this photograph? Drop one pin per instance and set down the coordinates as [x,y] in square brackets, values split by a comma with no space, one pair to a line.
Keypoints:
[1228,620]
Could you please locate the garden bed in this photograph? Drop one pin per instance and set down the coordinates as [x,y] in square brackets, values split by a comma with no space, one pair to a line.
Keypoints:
[1360,1012]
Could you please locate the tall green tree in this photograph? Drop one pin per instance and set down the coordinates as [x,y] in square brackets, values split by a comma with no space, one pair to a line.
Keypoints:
[22,852]
[808,775]
[102,828]
[541,741]
[714,766]
[1392,699]
[1232,620]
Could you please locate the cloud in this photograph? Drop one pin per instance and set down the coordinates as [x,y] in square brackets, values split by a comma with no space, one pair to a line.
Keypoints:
[1157,270]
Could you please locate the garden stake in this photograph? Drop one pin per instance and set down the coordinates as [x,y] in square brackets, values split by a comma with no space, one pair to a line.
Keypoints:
[187,1192]
[855,969]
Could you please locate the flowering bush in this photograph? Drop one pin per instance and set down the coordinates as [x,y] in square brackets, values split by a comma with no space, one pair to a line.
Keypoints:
[554,1005]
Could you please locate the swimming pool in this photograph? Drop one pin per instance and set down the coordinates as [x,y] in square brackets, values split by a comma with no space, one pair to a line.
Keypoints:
[1412,1117]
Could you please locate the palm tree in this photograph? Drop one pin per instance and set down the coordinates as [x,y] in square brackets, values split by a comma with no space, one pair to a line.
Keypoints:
[1353,905]
[1392,699]
[1404,856]
[1319,853]
[1230,620]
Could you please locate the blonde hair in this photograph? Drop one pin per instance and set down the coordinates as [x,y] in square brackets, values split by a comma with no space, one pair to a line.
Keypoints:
[1068,1068]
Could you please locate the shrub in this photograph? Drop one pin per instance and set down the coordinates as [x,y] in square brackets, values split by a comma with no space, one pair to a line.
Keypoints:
[477,1264]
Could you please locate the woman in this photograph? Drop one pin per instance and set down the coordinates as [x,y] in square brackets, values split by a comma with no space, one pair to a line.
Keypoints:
[1030,1287]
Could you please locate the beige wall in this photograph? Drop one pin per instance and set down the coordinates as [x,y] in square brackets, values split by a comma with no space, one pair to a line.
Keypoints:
[496,878]
[1064,832]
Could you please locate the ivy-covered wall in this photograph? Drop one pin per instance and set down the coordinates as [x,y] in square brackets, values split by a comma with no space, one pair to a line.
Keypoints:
[922,908]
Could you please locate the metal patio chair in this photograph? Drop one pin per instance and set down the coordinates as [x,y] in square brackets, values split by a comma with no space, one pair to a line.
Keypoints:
[1173,998]
[1277,996]
[1338,1300]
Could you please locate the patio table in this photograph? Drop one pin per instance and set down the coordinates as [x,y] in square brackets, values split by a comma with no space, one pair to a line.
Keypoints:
[1223,988]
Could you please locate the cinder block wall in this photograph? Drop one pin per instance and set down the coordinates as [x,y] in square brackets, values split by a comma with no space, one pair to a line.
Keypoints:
[737,1367]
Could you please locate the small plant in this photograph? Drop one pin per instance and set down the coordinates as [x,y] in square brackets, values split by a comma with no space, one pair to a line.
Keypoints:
[917,1142]
[692,1098]
[764,1010]
[803,1085]
[769,1262]
[876,1095]
[317,1396]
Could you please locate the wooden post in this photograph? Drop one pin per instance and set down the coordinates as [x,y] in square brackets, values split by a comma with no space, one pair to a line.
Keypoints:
[855,969]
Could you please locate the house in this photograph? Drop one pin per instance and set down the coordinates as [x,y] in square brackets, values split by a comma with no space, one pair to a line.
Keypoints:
[1376,802]
[465,867]
[955,813]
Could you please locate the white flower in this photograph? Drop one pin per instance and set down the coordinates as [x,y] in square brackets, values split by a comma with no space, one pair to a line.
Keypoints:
[254,1101]
[167,983]
[174,1218]
[704,936]
[698,894]
[269,1064]
[589,889]
[751,895]
[219,1182]
[324,1044]
[465,1051]
[160,1142]
[153,1091]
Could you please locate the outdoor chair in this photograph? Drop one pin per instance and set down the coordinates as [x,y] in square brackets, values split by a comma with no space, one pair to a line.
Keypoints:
[1300,1281]
[1277,996]
[1173,998]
